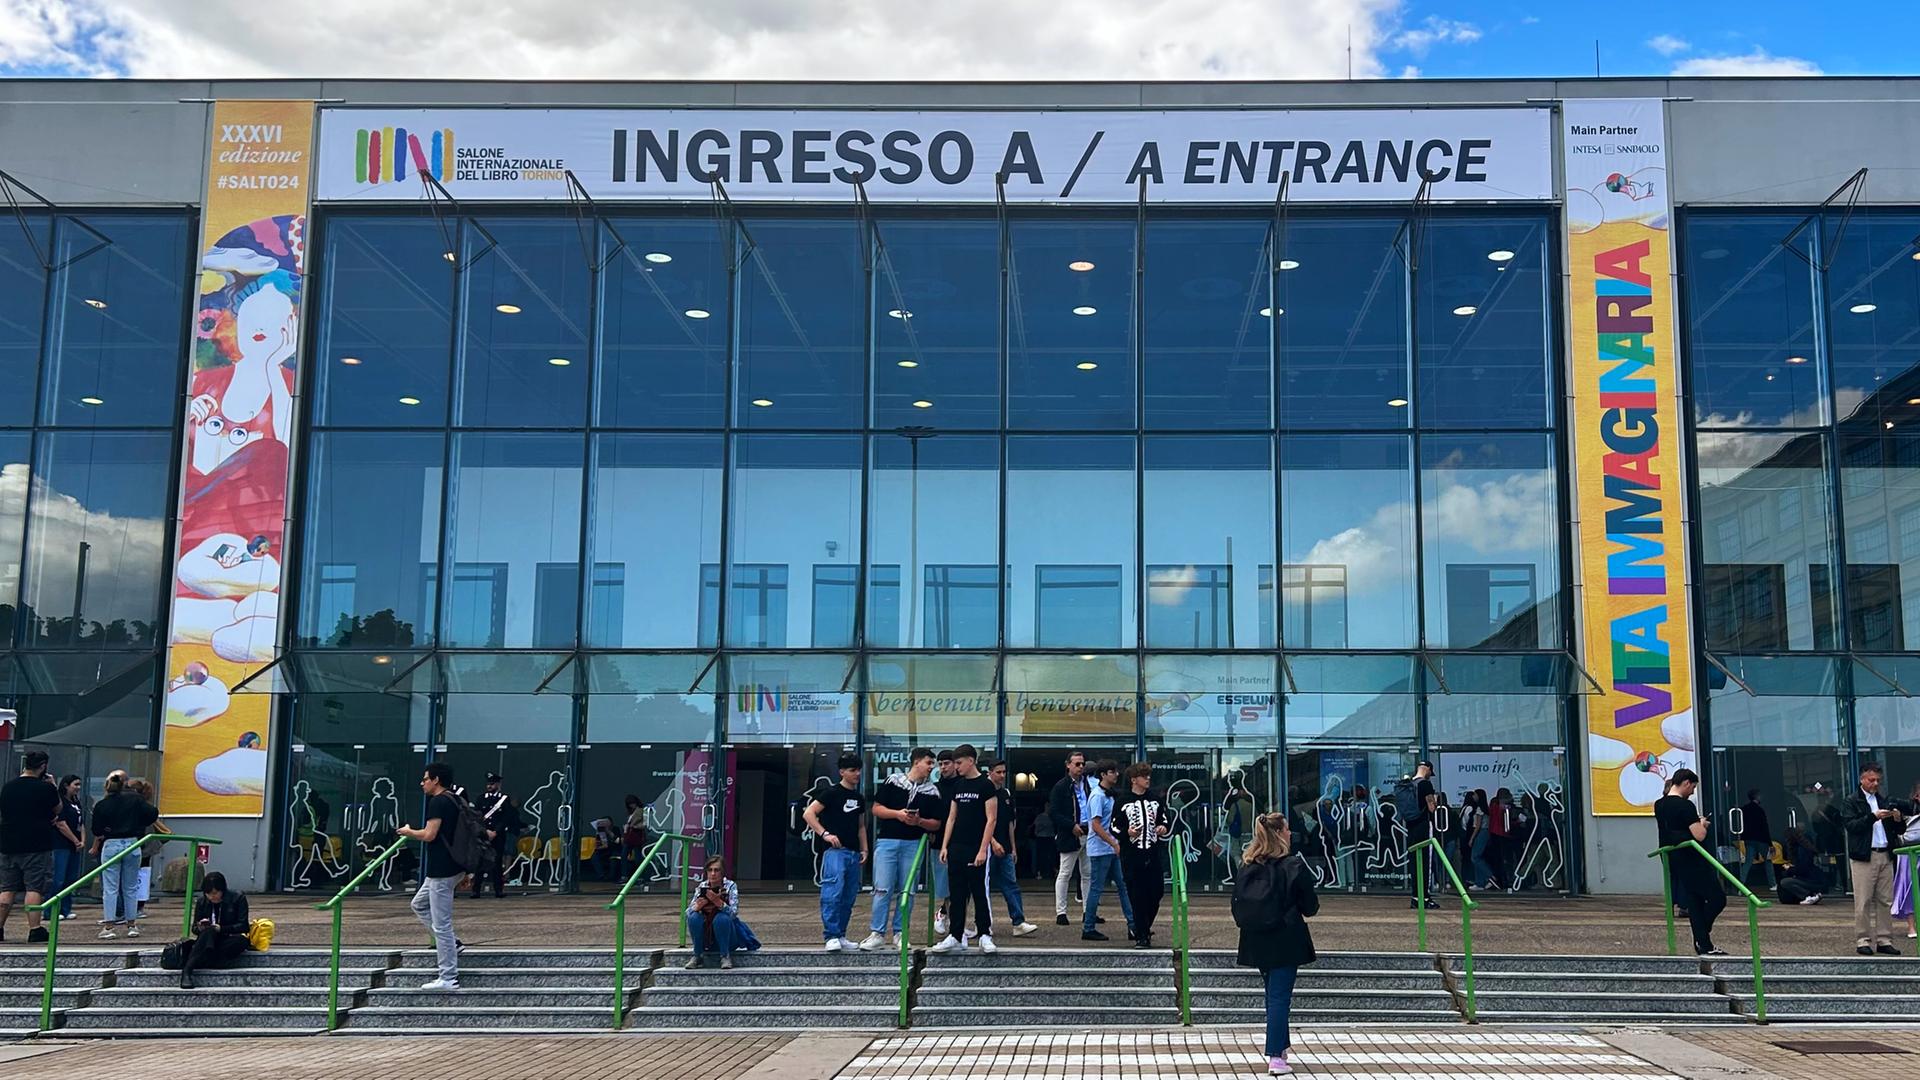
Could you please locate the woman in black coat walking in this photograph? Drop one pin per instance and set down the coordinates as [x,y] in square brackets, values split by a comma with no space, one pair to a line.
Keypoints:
[1272,899]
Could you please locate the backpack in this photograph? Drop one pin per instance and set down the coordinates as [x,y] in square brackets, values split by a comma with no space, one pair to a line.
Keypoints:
[1260,901]
[469,846]
[1406,802]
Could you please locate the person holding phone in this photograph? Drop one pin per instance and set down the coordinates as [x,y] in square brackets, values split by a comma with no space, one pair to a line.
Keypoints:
[900,825]
[220,925]
[1872,823]
[713,926]
[1679,820]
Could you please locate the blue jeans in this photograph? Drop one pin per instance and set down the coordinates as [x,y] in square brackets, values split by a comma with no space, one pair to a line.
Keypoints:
[939,873]
[120,883]
[891,858]
[66,867]
[1099,869]
[723,933]
[1482,874]
[1004,879]
[839,885]
[1279,1003]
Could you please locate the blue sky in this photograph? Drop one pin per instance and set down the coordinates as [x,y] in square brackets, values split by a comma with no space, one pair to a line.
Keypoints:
[950,39]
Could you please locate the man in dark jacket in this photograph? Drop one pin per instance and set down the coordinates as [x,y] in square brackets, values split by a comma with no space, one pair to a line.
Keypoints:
[1757,837]
[1067,806]
[220,925]
[1872,824]
[502,815]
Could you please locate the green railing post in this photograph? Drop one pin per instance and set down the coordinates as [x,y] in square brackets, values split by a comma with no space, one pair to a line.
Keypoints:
[186,908]
[1666,894]
[619,909]
[1420,891]
[50,911]
[933,900]
[906,923]
[1182,928]
[333,967]
[1466,939]
[686,877]
[1759,977]
[1467,904]
[1754,904]
[620,963]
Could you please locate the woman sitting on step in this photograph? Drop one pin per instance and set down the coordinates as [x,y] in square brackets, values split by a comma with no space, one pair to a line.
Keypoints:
[220,925]
[713,918]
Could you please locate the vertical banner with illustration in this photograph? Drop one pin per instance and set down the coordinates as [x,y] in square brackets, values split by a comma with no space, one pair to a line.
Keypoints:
[1628,485]
[239,427]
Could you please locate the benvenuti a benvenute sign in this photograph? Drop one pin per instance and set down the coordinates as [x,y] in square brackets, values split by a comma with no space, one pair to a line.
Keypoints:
[1079,156]
[1628,485]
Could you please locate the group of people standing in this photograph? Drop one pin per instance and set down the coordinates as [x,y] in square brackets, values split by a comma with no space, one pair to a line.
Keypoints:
[44,840]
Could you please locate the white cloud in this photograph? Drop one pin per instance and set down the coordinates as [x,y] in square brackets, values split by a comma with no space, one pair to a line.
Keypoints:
[1668,45]
[1434,31]
[1757,62]
[124,554]
[1409,72]
[673,39]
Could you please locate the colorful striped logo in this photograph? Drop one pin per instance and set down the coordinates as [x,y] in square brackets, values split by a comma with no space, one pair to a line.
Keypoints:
[383,154]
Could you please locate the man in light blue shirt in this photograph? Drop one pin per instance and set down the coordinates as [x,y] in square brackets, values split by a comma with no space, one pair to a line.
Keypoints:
[1102,853]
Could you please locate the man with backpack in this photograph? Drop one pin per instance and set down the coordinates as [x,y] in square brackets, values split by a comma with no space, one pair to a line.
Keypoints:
[456,841]
[1413,803]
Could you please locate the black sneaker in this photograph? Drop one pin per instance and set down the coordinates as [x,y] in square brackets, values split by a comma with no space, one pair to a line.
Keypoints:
[1711,952]
[1100,920]
[1092,935]
[459,947]
[1130,936]
[1060,920]
[1864,950]
[38,933]
[1883,948]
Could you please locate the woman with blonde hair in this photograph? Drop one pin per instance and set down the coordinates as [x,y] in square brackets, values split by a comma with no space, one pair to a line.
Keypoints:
[1272,899]
[119,821]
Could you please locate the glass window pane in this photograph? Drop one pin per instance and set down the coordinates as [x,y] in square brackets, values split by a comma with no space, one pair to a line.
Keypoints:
[386,326]
[1315,720]
[1766,543]
[790,699]
[914,699]
[511,719]
[1503,720]
[947,274]
[13,518]
[1070,324]
[96,568]
[1342,306]
[665,309]
[23,304]
[1212,700]
[1209,334]
[1482,314]
[834,589]
[515,505]
[1071,579]
[524,312]
[1750,345]
[656,518]
[1203,569]
[1880,496]
[372,540]
[1346,516]
[1873,306]
[1737,718]
[803,305]
[1057,698]
[115,326]
[796,505]
[1491,531]
[936,514]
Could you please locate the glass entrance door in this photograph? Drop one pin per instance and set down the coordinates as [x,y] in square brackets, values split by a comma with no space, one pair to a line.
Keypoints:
[1341,801]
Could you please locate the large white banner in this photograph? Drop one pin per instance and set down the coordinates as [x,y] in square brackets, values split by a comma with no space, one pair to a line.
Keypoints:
[1094,156]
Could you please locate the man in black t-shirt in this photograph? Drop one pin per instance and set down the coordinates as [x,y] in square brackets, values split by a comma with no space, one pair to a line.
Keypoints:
[1419,828]
[973,811]
[1679,821]
[838,816]
[439,873]
[1003,869]
[29,804]
[902,809]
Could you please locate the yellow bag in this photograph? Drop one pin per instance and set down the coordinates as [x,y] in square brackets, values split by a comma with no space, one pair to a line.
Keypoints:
[260,935]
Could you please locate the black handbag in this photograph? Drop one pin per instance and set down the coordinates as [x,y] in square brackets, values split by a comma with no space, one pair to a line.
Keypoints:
[174,956]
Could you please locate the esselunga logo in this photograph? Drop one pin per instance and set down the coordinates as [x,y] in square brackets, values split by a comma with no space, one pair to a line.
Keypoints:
[395,153]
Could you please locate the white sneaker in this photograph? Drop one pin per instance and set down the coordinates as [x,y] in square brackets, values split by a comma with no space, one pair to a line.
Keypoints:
[987,946]
[1814,899]
[833,945]
[969,935]
[107,933]
[847,945]
[1279,1066]
[1023,929]
[940,924]
[441,984]
[949,944]
[872,942]
[133,930]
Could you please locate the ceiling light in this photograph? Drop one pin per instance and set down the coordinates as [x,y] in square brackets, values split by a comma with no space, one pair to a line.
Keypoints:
[763,402]
[698,313]
[1465,309]
[91,401]
[447,255]
[1796,359]
[409,401]
[558,361]
[1270,312]
[350,361]
[1084,309]
[657,257]
[507,309]
[1769,376]
[1501,255]
[1915,256]
[899,313]
[1080,266]
[1889,423]
[1862,309]
[1913,401]
[1289,264]
[97,304]
[907,363]
[383,659]
[923,404]
[1398,403]
[1086,365]
[1088,656]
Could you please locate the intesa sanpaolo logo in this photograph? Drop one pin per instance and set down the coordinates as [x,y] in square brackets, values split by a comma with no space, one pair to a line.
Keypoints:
[395,153]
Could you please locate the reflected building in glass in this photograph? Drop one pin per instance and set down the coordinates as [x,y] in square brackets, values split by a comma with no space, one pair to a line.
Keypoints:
[656,505]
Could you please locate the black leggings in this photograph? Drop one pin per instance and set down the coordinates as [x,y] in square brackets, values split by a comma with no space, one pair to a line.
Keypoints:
[966,882]
[213,950]
[1145,881]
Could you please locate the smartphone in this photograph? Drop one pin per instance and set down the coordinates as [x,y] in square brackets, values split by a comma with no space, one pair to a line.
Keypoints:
[223,551]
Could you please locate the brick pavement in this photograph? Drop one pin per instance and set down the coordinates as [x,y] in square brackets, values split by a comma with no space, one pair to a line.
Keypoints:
[1755,1047]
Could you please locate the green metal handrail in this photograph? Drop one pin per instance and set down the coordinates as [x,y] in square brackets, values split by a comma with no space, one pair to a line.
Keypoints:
[1754,904]
[51,907]
[1467,904]
[1182,929]
[906,919]
[333,967]
[619,909]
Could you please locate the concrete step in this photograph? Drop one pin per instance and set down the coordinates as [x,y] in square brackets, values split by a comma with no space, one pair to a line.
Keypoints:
[1593,983]
[1344,1001]
[520,1000]
[1076,959]
[412,1019]
[1358,1017]
[63,978]
[765,997]
[1030,978]
[1559,1020]
[1370,962]
[118,1022]
[277,958]
[760,975]
[34,957]
[1522,963]
[413,959]
[1569,1002]
[1312,978]
[1904,986]
[792,958]
[1055,1019]
[1088,1001]
[828,1015]
[1853,1007]
[518,978]
[279,978]
[1870,967]
[242,1001]
[29,999]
